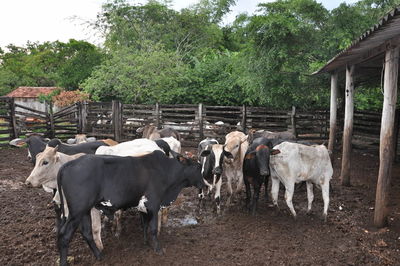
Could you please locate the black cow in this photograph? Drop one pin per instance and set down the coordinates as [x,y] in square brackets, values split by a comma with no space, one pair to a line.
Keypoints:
[256,170]
[88,147]
[110,183]
[36,144]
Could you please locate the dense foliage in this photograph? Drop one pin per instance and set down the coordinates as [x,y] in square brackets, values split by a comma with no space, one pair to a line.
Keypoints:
[153,53]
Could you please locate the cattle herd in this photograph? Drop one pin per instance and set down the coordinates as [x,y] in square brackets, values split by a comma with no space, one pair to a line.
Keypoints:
[95,180]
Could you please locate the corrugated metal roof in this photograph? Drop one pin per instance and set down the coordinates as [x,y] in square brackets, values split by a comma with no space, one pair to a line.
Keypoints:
[387,28]
[30,92]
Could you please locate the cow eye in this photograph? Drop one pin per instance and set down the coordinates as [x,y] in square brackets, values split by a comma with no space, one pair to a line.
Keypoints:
[45,162]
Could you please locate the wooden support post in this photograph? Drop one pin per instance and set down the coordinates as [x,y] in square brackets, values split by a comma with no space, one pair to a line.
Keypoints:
[244,119]
[333,111]
[13,119]
[157,115]
[396,133]
[386,149]
[83,117]
[293,121]
[117,119]
[200,120]
[348,126]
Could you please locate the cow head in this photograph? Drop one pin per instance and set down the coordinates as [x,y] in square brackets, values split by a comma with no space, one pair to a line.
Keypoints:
[234,146]
[46,168]
[261,155]
[212,164]
[36,144]
[192,172]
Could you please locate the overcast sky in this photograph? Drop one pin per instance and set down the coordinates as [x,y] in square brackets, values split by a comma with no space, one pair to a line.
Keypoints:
[51,20]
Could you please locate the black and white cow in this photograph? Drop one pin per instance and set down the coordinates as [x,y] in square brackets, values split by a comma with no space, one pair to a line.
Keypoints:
[211,168]
[256,170]
[110,183]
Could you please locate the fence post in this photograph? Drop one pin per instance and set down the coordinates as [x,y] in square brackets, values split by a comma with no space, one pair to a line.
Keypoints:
[52,132]
[117,119]
[293,121]
[157,114]
[13,120]
[200,120]
[83,117]
[396,134]
[244,118]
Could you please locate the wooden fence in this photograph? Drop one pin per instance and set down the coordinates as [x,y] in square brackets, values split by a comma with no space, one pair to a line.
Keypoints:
[194,121]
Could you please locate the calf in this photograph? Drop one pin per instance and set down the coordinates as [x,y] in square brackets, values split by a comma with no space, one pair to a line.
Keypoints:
[110,183]
[48,162]
[296,163]
[256,171]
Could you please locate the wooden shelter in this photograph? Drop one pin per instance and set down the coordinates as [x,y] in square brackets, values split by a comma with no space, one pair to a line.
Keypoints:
[373,56]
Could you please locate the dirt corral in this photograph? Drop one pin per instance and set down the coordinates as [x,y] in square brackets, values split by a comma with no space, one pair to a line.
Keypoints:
[27,233]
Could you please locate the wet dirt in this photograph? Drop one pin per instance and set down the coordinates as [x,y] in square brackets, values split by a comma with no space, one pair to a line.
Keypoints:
[272,237]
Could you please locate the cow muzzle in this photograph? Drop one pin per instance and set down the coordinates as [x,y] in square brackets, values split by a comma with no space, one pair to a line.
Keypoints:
[217,170]
[264,172]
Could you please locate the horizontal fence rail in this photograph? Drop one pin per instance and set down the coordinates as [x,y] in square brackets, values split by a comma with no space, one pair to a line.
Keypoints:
[193,121]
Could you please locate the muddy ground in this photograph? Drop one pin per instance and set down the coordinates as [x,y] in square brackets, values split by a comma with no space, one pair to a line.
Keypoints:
[271,237]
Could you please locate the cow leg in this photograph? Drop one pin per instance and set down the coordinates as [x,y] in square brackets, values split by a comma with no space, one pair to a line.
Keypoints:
[201,198]
[266,187]
[239,186]
[153,231]
[86,230]
[218,195]
[310,195]
[325,196]
[96,227]
[144,219]
[116,227]
[248,192]
[275,190]
[289,196]
[64,237]
[230,190]
[256,194]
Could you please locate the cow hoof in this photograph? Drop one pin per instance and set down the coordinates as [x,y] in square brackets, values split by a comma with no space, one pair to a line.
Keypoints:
[99,257]
[159,251]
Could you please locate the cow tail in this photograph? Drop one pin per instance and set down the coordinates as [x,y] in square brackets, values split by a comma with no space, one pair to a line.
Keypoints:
[60,192]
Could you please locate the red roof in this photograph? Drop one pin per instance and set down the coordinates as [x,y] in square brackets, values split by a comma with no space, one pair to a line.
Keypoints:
[30,92]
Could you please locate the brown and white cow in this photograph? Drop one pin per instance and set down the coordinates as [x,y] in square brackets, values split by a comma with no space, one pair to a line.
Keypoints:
[236,144]
[151,132]
[296,163]
[226,160]
[44,174]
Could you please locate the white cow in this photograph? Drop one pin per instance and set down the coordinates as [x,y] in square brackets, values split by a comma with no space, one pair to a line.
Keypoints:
[236,144]
[173,143]
[130,148]
[44,174]
[296,163]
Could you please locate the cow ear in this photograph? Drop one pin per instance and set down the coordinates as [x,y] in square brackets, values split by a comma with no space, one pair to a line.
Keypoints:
[18,142]
[228,154]
[250,155]
[269,144]
[205,153]
[275,152]
[56,149]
